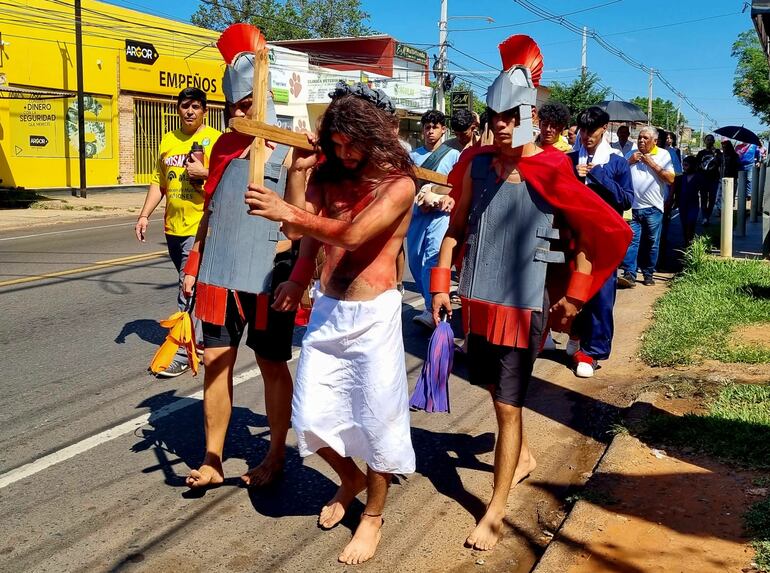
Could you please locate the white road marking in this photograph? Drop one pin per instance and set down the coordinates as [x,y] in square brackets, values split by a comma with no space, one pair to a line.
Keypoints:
[132,223]
[110,434]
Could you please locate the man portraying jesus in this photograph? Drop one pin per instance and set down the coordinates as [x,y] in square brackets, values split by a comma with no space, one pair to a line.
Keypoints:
[350,394]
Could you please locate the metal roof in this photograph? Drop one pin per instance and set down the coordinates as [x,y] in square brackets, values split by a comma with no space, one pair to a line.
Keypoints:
[11,92]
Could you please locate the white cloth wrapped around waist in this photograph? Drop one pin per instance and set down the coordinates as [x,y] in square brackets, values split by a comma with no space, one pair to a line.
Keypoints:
[350,390]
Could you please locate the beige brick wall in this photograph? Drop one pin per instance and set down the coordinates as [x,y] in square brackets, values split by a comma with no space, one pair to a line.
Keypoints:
[126,138]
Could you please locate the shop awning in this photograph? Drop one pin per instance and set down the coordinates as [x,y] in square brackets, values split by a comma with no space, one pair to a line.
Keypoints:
[10,92]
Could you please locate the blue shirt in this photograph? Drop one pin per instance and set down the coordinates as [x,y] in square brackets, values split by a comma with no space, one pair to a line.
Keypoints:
[420,154]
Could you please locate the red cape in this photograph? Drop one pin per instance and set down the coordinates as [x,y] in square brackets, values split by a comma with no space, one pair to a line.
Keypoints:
[229,146]
[595,227]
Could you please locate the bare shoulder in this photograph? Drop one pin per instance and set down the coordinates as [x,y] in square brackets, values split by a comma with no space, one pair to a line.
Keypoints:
[398,189]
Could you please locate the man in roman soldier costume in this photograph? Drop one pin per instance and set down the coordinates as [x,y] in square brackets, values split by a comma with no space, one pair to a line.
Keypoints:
[236,267]
[515,205]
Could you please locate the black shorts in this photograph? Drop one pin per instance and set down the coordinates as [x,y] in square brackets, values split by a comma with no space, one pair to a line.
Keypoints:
[505,370]
[273,343]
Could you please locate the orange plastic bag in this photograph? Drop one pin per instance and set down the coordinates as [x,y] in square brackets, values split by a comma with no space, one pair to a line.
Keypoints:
[180,333]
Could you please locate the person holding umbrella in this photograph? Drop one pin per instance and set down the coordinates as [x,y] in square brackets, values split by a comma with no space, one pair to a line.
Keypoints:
[623,144]
[709,161]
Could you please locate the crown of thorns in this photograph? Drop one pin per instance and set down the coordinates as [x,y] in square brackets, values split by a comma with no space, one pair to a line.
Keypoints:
[376,97]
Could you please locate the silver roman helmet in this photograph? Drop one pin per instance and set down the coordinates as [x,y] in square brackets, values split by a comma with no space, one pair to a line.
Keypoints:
[238,81]
[516,86]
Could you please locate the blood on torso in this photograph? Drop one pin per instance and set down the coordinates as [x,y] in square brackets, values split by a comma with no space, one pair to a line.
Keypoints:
[369,270]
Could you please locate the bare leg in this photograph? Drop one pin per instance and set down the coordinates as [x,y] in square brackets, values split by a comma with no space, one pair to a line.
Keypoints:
[278,388]
[352,482]
[526,465]
[367,536]
[217,407]
[507,451]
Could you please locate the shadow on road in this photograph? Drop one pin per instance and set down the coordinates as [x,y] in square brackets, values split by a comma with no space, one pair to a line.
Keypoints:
[178,442]
[146,329]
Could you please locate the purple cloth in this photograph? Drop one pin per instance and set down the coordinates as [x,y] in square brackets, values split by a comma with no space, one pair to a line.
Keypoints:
[432,391]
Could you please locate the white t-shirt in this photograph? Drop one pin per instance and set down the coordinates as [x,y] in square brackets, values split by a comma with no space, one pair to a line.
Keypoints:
[649,189]
[625,149]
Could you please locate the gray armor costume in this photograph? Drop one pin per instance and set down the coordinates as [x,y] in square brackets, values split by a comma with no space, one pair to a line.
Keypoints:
[240,247]
[510,227]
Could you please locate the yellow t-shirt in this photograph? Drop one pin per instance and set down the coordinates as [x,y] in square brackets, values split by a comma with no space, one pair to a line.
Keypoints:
[184,198]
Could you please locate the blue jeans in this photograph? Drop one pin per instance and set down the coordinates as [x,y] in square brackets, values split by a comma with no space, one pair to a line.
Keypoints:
[423,241]
[642,253]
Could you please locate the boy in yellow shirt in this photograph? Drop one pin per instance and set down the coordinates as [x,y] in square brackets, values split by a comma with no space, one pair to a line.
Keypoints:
[181,170]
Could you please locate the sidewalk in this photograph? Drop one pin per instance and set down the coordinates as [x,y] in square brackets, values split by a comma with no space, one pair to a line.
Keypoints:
[61,207]
[655,508]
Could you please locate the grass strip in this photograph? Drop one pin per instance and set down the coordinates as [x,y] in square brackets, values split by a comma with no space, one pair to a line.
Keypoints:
[694,320]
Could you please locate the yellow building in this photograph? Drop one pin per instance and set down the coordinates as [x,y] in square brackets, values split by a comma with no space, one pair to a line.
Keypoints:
[134,65]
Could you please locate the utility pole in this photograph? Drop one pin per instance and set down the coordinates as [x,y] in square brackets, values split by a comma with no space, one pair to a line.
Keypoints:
[441,63]
[701,131]
[677,127]
[649,102]
[584,59]
[81,103]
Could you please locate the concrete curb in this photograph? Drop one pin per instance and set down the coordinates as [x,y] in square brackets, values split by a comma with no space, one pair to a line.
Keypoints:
[562,549]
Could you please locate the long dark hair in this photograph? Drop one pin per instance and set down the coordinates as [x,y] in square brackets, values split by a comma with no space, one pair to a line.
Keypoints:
[370,129]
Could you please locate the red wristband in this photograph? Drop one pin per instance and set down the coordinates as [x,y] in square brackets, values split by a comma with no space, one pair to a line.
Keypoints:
[440,279]
[303,271]
[193,263]
[579,286]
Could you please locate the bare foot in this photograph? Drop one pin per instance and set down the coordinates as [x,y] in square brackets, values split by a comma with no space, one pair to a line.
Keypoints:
[525,467]
[210,474]
[333,512]
[364,543]
[487,532]
[265,473]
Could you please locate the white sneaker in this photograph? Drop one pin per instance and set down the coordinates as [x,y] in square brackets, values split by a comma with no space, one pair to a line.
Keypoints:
[425,318]
[584,370]
[572,347]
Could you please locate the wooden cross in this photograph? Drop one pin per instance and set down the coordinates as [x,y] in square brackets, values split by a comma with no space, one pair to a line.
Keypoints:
[262,131]
[258,115]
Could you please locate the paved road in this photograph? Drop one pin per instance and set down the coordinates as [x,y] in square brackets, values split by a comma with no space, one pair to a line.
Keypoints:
[94,451]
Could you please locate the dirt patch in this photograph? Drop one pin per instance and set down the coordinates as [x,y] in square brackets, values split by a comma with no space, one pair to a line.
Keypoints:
[661,512]
[752,335]
[652,507]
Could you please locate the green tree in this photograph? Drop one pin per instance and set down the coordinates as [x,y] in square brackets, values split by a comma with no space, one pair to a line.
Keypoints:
[664,113]
[287,19]
[580,94]
[751,84]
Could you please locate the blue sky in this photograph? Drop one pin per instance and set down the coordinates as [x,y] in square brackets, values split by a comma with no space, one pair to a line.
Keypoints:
[689,41]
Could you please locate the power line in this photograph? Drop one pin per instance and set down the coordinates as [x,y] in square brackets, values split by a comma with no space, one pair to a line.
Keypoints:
[534,21]
[473,58]
[529,6]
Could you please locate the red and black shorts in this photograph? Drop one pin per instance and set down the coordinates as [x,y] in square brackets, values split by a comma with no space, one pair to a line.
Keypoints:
[506,371]
[274,342]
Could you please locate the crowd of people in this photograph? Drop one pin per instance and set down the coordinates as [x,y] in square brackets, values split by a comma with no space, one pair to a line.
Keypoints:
[531,219]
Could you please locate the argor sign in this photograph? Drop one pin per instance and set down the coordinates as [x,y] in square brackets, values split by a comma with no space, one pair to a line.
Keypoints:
[409,53]
[144,70]
[140,52]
